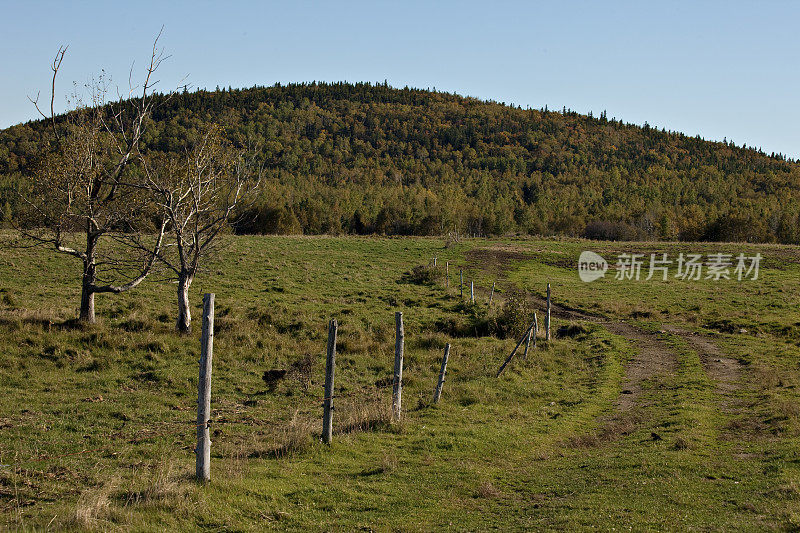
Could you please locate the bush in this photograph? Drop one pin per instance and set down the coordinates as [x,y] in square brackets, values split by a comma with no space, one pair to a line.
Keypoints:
[733,228]
[424,275]
[515,316]
[603,230]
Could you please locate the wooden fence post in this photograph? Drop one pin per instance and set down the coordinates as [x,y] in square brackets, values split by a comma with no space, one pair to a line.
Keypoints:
[491,295]
[472,292]
[397,389]
[438,392]
[434,261]
[535,328]
[511,356]
[547,316]
[330,367]
[527,343]
[203,450]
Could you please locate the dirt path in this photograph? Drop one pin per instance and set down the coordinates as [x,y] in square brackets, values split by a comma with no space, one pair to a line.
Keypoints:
[724,371]
[652,356]
[650,360]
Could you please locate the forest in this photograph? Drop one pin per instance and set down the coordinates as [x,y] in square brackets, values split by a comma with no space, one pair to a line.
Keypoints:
[362,158]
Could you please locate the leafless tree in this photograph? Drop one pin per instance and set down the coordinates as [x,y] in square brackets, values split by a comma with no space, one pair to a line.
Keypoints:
[199,192]
[80,201]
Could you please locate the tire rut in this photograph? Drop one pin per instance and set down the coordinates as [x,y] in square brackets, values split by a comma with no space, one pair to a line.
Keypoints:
[724,371]
[650,360]
[653,358]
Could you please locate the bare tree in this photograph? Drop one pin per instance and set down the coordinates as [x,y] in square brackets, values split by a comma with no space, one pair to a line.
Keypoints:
[199,192]
[79,200]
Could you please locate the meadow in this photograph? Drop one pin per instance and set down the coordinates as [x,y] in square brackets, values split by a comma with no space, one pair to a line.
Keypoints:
[667,405]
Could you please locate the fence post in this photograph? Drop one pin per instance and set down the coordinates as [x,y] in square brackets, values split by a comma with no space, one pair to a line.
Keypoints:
[528,343]
[438,392]
[472,292]
[434,261]
[461,282]
[330,366]
[535,328]
[203,450]
[397,389]
[491,295]
[547,316]
[511,356]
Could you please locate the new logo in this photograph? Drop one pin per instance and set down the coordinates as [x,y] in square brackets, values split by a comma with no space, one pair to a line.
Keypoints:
[591,266]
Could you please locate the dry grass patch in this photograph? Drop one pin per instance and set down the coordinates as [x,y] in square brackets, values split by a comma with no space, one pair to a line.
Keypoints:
[487,490]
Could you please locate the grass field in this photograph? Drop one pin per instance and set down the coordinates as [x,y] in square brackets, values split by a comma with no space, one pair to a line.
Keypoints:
[671,405]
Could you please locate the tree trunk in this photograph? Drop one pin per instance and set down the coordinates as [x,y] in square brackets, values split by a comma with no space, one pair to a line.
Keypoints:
[184,324]
[87,295]
[88,281]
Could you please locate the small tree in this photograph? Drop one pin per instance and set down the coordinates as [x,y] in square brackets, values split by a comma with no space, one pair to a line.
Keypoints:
[199,193]
[82,199]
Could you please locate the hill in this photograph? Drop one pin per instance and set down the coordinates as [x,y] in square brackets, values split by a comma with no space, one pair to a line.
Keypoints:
[363,158]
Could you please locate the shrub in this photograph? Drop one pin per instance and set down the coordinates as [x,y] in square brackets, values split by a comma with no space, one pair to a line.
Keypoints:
[603,230]
[424,275]
[515,316]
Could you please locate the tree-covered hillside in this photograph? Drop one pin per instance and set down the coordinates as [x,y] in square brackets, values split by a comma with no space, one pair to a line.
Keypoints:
[364,158]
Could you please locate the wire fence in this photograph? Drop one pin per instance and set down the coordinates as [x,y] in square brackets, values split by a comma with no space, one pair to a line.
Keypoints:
[151,431]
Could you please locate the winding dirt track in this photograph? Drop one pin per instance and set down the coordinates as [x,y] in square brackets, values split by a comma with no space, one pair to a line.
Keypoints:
[653,357]
[724,371]
[650,359]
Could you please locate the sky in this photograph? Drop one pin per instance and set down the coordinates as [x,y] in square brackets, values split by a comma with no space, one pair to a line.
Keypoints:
[725,69]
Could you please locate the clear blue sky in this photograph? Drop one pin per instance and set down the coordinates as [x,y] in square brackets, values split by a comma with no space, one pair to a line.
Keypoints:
[718,69]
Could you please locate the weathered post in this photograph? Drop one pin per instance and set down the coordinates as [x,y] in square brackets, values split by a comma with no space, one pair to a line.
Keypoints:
[330,366]
[203,450]
[472,292]
[528,342]
[434,261]
[397,389]
[511,356]
[547,316]
[438,392]
[491,295]
[535,328]
[461,282]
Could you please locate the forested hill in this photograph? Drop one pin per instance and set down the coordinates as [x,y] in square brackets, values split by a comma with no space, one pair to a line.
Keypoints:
[365,158]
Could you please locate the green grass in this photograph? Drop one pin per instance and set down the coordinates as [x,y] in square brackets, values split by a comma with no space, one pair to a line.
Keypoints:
[540,447]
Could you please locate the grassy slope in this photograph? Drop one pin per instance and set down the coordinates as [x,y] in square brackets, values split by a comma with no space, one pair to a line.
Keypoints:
[511,452]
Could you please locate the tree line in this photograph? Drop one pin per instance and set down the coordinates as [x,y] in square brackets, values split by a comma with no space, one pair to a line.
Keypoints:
[369,158]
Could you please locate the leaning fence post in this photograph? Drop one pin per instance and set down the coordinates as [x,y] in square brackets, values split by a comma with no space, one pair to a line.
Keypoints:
[511,356]
[330,366]
[203,450]
[472,292]
[438,392]
[397,389]
[547,316]
[491,295]
[535,328]
[528,343]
